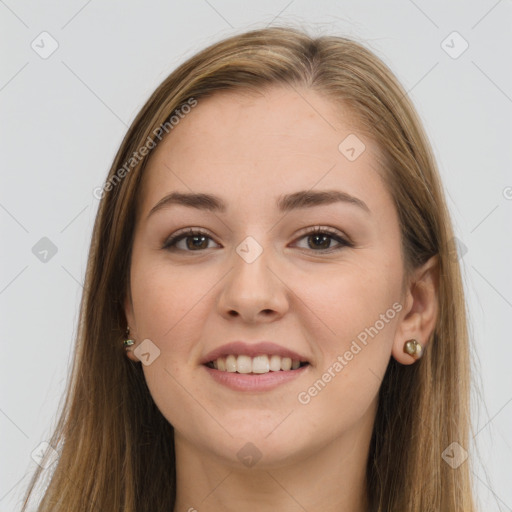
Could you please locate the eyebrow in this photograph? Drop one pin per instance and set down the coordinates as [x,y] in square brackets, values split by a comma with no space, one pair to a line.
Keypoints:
[285,203]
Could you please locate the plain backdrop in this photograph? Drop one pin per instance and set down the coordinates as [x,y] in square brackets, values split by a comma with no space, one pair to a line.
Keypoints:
[74,74]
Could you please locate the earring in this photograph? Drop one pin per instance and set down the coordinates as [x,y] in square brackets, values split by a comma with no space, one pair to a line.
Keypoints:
[128,342]
[413,348]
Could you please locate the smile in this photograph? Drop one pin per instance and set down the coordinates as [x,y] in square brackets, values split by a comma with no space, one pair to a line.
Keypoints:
[255,365]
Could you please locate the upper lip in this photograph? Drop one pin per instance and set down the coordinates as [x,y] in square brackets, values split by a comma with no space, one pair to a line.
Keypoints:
[252,350]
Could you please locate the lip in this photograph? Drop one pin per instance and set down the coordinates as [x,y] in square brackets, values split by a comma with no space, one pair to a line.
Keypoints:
[252,350]
[255,382]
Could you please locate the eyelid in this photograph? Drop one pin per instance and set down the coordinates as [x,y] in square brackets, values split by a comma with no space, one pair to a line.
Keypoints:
[311,230]
[184,233]
[339,236]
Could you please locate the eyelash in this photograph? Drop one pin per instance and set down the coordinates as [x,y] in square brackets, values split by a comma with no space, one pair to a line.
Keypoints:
[171,242]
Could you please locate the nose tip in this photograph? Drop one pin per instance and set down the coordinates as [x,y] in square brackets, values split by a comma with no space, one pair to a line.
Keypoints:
[252,291]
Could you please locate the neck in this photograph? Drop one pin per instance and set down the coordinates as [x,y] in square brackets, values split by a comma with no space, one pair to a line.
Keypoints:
[332,479]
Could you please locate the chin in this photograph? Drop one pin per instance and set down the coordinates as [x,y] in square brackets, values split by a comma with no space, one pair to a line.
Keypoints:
[265,445]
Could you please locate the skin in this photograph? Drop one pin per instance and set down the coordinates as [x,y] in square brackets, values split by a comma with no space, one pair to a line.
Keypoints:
[249,149]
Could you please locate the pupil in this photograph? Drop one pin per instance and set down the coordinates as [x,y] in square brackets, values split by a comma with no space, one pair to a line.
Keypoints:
[326,238]
[196,238]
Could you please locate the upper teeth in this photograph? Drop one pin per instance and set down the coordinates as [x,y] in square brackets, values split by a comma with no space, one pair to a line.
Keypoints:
[258,364]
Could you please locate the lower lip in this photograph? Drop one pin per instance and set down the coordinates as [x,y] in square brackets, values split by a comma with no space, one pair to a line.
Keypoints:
[255,382]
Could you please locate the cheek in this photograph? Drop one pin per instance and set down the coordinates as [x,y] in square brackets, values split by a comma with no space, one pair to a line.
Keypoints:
[361,314]
[164,297]
[359,308]
[169,304]
[350,299]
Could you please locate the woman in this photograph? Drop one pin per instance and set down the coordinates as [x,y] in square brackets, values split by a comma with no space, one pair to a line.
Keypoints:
[273,318]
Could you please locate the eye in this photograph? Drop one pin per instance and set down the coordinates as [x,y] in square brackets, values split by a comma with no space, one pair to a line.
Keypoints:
[195,240]
[320,238]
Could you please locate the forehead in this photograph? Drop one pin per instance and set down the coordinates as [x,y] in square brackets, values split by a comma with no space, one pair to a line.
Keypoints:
[240,124]
[257,145]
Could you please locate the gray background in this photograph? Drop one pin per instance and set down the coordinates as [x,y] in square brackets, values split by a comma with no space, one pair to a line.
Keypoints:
[63,117]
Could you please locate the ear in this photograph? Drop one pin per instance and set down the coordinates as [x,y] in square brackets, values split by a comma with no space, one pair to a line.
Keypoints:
[421,308]
[130,318]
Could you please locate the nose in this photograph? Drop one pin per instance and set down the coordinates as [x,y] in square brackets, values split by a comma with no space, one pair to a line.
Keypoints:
[254,291]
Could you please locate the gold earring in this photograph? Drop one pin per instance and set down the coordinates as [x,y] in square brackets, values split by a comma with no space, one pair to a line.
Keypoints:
[413,348]
[128,342]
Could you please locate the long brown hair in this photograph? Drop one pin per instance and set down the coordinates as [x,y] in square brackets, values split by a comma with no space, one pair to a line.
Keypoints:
[116,450]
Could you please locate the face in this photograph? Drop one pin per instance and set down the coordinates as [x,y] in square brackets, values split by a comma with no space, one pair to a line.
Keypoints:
[319,276]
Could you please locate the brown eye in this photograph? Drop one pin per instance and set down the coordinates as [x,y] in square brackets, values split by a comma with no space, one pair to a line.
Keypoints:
[320,239]
[194,241]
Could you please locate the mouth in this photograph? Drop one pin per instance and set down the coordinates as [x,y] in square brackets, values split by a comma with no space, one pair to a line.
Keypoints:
[257,365]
